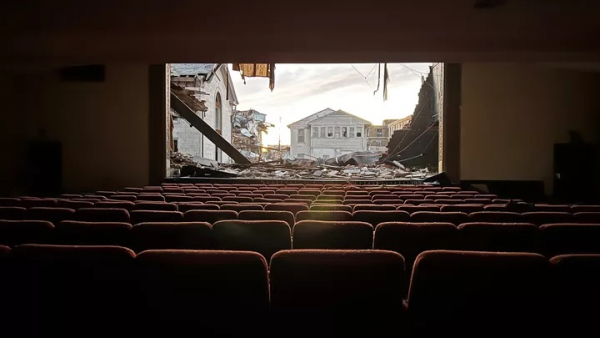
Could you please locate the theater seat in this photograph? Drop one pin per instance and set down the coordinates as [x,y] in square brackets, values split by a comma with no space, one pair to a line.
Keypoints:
[374,217]
[257,215]
[54,215]
[93,233]
[241,207]
[102,215]
[586,217]
[210,293]
[506,237]
[576,293]
[141,216]
[495,217]
[291,207]
[570,238]
[13,213]
[73,291]
[15,232]
[547,217]
[337,293]
[210,216]
[475,294]
[332,235]
[146,205]
[172,235]
[379,207]
[264,237]
[323,216]
[410,239]
[331,207]
[455,218]
[185,206]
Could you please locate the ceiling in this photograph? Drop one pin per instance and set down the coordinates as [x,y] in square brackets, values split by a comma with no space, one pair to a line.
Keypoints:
[154,31]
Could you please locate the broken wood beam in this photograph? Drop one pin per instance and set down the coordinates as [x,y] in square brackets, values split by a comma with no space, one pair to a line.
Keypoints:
[190,115]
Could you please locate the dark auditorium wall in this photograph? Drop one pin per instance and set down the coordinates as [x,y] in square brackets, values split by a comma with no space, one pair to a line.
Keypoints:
[512,114]
[11,126]
[103,126]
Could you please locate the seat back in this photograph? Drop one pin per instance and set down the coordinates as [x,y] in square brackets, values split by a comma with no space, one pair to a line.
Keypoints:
[506,237]
[264,237]
[93,233]
[323,216]
[465,293]
[214,293]
[258,215]
[455,218]
[172,235]
[326,290]
[310,234]
[570,238]
[375,217]
[141,216]
[210,216]
[72,290]
[410,239]
[15,232]
[102,215]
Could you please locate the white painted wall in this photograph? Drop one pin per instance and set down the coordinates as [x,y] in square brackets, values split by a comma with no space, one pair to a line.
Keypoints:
[513,114]
[330,147]
[188,138]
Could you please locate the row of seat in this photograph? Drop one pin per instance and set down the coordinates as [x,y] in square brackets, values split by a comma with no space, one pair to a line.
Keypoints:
[297,212]
[270,236]
[98,291]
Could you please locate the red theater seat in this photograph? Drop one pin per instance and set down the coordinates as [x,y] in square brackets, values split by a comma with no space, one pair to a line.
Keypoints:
[264,237]
[172,235]
[332,235]
[335,293]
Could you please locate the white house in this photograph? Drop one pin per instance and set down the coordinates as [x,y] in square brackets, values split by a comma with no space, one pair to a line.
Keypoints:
[212,84]
[327,134]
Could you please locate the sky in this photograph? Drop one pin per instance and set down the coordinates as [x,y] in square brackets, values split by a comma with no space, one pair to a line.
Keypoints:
[304,89]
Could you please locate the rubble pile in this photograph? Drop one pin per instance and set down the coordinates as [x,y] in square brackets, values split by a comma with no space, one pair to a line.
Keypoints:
[308,169]
[179,160]
[362,166]
[248,126]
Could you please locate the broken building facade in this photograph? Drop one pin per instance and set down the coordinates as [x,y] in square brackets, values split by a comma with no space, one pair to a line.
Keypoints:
[328,134]
[248,127]
[417,145]
[211,84]
[378,137]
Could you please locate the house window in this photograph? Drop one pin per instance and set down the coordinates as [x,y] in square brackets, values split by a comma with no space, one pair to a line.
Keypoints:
[351,133]
[322,132]
[336,132]
[300,135]
[344,131]
[379,132]
[315,132]
[358,131]
[329,132]
[176,145]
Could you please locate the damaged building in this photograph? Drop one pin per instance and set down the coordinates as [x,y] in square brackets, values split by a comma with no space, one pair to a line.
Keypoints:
[327,134]
[212,87]
[416,144]
[248,127]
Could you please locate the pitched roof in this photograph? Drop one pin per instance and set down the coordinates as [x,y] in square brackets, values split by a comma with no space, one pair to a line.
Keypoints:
[318,115]
[311,118]
[183,69]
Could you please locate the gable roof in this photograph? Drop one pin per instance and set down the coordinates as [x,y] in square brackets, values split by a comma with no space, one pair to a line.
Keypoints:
[303,123]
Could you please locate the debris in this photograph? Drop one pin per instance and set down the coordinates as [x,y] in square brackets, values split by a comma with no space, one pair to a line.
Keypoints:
[246,135]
